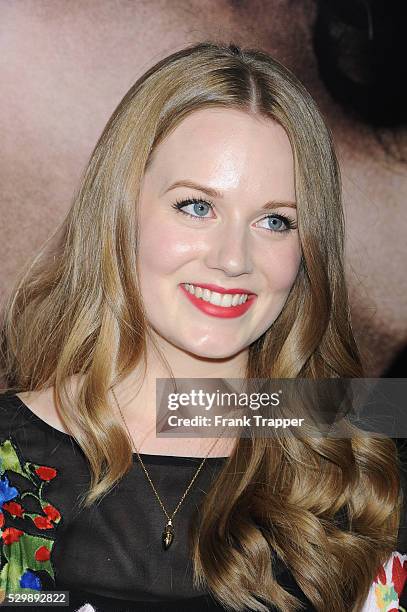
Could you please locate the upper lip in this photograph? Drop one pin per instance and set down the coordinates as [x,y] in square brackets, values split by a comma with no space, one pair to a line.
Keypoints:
[219,289]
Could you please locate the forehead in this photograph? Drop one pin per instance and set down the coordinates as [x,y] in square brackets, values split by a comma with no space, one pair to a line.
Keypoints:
[226,142]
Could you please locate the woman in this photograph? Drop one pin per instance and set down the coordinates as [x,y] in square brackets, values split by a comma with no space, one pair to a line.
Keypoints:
[215,174]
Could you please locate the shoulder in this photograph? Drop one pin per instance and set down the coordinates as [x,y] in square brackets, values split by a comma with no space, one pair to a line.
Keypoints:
[31,429]
[35,407]
[42,405]
[11,415]
[22,410]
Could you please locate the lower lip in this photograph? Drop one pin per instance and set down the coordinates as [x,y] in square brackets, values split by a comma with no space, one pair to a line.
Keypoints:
[224,312]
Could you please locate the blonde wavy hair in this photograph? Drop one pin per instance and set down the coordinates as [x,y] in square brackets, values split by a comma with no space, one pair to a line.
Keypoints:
[76,310]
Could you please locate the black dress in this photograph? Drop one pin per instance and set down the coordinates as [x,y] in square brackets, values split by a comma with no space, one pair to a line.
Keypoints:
[109,556]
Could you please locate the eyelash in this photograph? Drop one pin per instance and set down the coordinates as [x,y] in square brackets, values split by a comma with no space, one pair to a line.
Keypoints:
[179,204]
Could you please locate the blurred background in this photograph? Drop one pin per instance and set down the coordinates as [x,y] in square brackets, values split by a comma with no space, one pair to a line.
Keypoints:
[66,65]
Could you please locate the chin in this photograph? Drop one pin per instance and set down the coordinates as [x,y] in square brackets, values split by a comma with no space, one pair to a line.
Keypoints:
[214,354]
[214,351]
[211,348]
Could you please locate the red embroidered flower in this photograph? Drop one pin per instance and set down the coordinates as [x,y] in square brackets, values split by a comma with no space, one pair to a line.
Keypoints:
[43,522]
[1,519]
[399,575]
[52,513]
[46,473]
[11,535]
[14,508]
[42,554]
[381,575]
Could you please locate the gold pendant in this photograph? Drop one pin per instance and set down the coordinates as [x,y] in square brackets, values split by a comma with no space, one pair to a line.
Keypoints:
[167,535]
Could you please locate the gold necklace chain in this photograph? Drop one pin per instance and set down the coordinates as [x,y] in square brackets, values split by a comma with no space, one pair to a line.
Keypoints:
[168,534]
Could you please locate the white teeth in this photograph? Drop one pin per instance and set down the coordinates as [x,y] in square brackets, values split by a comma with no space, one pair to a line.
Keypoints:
[227,300]
[206,295]
[215,298]
[218,299]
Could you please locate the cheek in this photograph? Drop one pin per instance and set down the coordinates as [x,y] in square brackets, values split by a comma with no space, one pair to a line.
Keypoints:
[281,266]
[163,248]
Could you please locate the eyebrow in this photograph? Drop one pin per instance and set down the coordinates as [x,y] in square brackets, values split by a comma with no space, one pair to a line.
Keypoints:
[214,193]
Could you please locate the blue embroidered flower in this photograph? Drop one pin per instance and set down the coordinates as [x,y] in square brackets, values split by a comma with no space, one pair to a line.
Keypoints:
[6,492]
[30,581]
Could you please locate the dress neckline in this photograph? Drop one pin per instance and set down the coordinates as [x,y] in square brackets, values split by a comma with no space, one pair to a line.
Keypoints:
[146,457]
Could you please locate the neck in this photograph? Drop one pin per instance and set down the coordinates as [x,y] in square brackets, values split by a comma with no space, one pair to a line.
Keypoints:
[137,394]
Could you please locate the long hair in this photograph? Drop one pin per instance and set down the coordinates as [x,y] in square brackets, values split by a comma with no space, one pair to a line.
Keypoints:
[76,311]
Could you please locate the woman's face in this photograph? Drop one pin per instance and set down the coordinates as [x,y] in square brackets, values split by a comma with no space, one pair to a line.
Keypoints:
[228,239]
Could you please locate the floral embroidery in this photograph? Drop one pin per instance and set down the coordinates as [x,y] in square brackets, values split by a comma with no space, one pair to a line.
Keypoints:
[14,508]
[42,554]
[45,473]
[388,585]
[25,554]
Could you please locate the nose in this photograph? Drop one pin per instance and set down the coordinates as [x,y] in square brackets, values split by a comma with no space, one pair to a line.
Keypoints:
[229,250]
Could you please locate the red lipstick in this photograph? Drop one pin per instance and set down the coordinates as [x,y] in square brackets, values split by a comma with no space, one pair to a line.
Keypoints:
[225,312]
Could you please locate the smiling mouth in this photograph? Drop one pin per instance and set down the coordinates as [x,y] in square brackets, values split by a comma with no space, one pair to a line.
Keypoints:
[225,300]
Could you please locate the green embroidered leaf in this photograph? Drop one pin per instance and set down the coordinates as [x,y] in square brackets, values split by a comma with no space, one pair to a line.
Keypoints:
[385,595]
[10,582]
[21,553]
[10,578]
[21,556]
[391,595]
[10,460]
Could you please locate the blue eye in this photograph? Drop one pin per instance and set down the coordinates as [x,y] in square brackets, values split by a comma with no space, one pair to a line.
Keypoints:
[201,207]
[275,222]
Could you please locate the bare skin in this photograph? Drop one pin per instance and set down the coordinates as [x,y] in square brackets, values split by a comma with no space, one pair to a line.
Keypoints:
[235,243]
[65,69]
[73,67]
